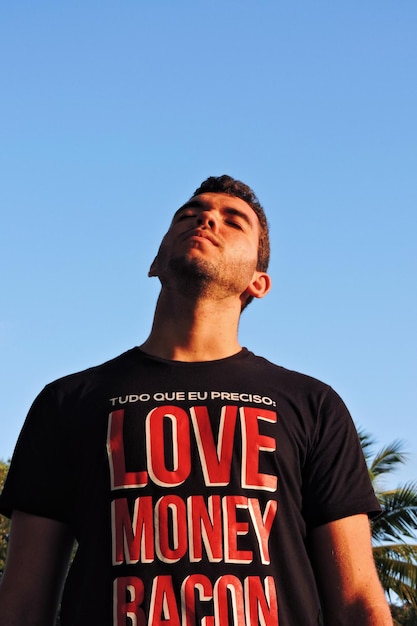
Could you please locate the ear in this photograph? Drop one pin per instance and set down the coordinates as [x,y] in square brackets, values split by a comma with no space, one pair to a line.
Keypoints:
[259,286]
[153,270]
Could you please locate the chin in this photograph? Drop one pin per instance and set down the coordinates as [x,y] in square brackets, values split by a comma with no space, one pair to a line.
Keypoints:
[193,268]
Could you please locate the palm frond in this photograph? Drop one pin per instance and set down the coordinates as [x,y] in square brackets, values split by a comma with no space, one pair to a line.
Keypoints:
[367,442]
[405,552]
[396,562]
[388,458]
[399,516]
[397,569]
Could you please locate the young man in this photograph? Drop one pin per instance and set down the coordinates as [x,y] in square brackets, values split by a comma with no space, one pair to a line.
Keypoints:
[203,484]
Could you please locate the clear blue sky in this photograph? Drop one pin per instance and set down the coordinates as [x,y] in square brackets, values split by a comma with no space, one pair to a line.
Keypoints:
[111,114]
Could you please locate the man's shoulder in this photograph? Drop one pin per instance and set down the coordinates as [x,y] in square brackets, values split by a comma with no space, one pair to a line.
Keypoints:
[96,373]
[285,373]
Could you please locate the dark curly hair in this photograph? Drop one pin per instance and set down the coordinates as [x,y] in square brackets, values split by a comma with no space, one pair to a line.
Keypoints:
[232,187]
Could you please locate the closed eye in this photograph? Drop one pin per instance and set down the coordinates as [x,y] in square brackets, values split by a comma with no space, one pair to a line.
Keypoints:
[234,224]
[184,216]
[237,219]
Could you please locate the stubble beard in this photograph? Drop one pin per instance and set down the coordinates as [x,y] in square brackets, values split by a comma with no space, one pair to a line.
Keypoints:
[194,277]
[197,277]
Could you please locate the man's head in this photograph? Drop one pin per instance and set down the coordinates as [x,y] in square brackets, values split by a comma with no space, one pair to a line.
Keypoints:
[218,242]
[232,187]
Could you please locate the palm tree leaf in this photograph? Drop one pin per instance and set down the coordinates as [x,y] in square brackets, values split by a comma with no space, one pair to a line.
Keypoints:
[405,551]
[397,571]
[388,458]
[396,562]
[399,516]
[367,442]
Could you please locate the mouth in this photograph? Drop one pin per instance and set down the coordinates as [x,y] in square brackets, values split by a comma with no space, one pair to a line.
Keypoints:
[197,235]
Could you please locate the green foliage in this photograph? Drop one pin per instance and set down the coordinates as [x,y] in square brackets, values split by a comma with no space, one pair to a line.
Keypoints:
[394,531]
[4,522]
[404,615]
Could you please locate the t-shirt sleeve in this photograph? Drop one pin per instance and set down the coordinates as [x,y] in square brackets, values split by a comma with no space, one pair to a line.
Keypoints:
[38,479]
[336,479]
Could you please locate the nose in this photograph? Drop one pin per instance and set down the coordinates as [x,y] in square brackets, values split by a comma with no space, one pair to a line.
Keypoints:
[206,219]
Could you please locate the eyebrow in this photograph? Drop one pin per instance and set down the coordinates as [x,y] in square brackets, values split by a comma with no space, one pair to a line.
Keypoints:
[198,204]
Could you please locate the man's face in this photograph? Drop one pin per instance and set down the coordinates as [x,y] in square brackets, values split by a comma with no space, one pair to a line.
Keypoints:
[213,240]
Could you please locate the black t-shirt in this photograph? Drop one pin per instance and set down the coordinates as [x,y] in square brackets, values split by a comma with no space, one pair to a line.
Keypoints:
[190,488]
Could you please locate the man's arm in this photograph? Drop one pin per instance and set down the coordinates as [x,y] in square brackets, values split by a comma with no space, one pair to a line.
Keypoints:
[37,560]
[346,575]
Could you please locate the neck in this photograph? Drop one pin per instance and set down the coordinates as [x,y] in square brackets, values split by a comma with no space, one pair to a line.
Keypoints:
[186,330]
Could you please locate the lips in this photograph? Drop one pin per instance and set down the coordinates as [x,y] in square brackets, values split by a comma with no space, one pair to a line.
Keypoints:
[200,234]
